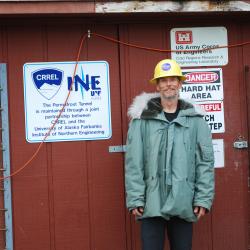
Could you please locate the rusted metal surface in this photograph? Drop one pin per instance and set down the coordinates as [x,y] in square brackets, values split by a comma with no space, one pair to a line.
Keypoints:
[24,8]
[45,7]
[171,6]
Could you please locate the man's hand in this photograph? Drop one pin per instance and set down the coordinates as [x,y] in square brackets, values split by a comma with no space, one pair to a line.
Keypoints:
[199,212]
[138,211]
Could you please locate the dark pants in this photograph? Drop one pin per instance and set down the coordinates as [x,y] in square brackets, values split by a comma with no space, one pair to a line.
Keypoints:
[153,233]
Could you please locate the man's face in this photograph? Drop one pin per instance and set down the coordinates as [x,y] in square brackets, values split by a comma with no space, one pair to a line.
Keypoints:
[169,87]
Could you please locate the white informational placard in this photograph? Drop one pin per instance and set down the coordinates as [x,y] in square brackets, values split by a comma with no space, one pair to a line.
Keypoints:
[214,115]
[205,88]
[202,84]
[218,146]
[87,115]
[198,38]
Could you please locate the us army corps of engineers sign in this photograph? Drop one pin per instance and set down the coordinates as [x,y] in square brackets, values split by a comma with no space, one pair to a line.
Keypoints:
[199,46]
[87,114]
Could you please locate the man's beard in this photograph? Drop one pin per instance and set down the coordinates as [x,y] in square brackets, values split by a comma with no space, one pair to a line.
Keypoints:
[171,97]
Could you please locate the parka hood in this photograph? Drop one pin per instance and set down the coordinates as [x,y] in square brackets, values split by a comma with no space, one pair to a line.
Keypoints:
[148,105]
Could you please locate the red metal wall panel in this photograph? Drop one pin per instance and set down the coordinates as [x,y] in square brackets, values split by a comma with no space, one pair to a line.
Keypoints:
[138,70]
[67,162]
[246,65]
[72,195]
[229,213]
[30,195]
[106,184]
[228,217]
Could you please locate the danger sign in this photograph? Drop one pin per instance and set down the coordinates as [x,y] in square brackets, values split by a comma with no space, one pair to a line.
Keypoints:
[203,84]
[205,88]
[214,115]
[199,46]
[205,77]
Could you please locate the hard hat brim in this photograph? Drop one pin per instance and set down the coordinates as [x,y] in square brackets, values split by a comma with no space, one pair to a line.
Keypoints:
[154,80]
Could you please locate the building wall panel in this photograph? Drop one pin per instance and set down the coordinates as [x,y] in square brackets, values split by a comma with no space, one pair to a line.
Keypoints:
[138,71]
[72,195]
[106,183]
[67,161]
[231,181]
[246,80]
[30,194]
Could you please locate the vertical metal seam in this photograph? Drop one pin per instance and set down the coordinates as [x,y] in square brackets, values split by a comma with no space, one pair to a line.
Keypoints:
[123,137]
[124,103]
[49,150]
[6,157]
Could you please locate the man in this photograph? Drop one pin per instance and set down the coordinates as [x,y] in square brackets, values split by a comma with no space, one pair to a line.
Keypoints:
[169,170]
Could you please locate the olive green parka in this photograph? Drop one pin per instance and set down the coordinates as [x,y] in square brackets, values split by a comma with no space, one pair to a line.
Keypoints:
[169,166]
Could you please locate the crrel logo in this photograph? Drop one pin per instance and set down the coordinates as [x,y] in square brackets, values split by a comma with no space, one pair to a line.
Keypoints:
[47,81]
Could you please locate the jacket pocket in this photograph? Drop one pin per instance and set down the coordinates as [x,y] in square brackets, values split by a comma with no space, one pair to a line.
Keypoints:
[207,153]
[179,201]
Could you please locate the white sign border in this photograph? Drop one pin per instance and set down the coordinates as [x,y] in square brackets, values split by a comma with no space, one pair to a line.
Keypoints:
[66,139]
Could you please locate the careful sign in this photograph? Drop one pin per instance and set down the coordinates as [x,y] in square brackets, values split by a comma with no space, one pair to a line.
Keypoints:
[214,115]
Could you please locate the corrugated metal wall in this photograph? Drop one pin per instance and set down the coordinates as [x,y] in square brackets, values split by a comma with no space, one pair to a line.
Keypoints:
[225,227]
[72,195]
[246,79]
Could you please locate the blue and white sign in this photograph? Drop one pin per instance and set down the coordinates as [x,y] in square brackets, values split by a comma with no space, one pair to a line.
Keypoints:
[47,81]
[87,115]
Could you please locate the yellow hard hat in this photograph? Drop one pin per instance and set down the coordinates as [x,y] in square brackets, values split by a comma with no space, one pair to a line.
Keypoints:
[167,67]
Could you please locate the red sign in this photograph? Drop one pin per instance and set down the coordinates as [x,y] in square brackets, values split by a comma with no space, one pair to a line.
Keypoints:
[184,37]
[211,107]
[201,77]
